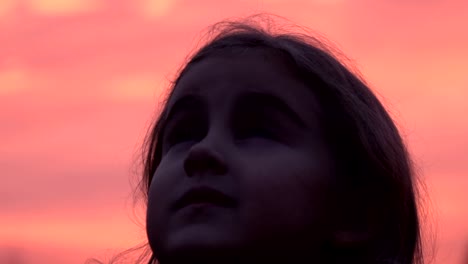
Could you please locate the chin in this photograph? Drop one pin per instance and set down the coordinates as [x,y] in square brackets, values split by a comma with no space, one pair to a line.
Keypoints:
[197,244]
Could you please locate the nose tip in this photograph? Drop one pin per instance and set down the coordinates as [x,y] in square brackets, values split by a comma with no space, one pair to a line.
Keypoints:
[201,160]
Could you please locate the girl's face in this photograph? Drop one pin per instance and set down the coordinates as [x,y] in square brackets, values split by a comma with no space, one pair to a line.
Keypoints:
[245,126]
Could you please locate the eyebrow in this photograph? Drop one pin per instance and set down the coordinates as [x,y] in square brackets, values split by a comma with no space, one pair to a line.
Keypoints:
[185,103]
[265,99]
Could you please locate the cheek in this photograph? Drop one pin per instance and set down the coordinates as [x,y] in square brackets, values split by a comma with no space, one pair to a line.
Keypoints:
[161,193]
[160,186]
[285,190]
[165,180]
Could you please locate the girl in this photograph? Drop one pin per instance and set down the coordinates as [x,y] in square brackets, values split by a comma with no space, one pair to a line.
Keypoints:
[269,150]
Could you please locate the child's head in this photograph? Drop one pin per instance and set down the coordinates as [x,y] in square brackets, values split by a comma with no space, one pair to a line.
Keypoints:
[268,148]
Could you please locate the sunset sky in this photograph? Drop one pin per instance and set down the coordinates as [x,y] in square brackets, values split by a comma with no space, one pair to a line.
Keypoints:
[81,80]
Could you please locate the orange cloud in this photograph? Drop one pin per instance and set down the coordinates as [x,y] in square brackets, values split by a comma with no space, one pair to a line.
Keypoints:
[135,86]
[89,228]
[61,7]
[155,8]
[6,7]
[13,80]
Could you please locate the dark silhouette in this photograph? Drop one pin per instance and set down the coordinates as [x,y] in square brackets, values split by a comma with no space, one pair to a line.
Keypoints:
[270,150]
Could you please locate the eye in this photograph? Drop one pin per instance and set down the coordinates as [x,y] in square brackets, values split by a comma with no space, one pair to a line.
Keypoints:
[255,131]
[180,134]
[182,131]
[255,128]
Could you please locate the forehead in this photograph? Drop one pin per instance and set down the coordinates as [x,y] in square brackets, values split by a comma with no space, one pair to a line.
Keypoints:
[223,77]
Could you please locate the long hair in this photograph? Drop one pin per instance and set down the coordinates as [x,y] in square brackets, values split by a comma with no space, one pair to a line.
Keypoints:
[376,177]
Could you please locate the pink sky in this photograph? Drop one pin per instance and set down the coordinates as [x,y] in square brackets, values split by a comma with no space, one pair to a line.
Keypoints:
[80,81]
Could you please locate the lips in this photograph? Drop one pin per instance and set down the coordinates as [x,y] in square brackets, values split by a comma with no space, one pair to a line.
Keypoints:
[204,195]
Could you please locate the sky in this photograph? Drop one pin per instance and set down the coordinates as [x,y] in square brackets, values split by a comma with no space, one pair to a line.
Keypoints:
[81,81]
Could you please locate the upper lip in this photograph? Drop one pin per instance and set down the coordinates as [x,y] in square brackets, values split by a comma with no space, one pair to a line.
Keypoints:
[204,194]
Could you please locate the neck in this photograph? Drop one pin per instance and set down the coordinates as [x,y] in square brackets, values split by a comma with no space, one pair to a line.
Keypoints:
[245,259]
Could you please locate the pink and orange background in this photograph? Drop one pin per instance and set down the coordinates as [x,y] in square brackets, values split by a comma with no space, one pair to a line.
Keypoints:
[80,81]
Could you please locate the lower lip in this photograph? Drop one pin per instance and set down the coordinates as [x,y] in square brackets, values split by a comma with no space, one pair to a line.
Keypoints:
[200,206]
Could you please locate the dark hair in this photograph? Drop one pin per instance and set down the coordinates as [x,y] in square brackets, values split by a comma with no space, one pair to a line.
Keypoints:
[376,177]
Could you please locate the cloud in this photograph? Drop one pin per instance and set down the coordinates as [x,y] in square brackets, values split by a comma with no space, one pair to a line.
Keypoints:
[136,86]
[155,8]
[13,80]
[7,7]
[61,7]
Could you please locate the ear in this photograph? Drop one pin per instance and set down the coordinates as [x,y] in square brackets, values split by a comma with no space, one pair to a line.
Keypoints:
[350,246]
[348,239]
[354,220]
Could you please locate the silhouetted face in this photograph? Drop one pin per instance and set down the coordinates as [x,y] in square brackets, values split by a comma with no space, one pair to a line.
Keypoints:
[243,136]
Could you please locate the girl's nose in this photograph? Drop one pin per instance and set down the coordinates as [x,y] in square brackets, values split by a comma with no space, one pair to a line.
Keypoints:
[203,158]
